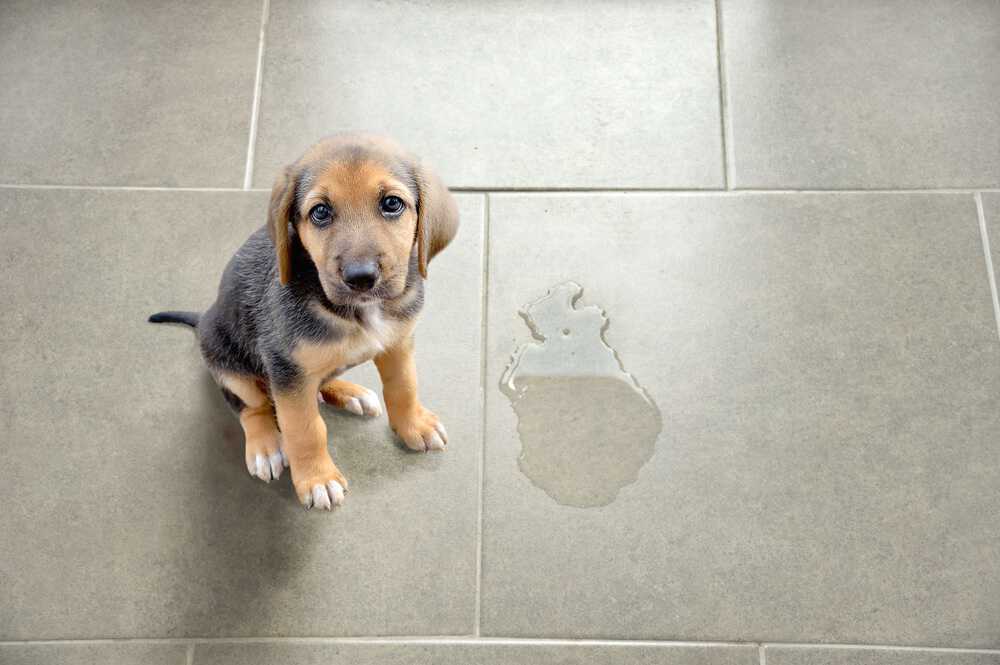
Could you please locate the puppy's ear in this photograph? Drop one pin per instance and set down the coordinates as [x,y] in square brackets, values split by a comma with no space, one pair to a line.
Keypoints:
[278,218]
[437,216]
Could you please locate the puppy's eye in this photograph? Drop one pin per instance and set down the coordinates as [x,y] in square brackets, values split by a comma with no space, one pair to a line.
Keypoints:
[392,206]
[321,214]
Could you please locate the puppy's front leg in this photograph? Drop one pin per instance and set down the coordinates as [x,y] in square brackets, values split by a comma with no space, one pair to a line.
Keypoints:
[419,428]
[317,480]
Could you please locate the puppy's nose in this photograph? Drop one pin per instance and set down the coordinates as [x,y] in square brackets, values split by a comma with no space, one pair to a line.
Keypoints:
[360,275]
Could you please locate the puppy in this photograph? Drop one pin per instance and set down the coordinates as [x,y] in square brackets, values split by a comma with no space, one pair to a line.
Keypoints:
[335,279]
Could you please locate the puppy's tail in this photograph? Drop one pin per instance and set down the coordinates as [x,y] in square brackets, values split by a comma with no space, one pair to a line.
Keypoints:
[187,318]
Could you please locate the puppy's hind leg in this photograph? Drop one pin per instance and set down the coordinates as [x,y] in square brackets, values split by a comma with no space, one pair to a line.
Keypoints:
[264,457]
[351,397]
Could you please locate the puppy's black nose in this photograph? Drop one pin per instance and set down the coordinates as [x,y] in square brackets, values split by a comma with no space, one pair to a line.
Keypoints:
[360,275]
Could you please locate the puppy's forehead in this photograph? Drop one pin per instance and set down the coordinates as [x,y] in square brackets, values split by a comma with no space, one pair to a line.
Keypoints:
[352,173]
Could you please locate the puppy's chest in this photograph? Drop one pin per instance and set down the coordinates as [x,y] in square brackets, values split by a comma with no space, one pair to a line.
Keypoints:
[358,342]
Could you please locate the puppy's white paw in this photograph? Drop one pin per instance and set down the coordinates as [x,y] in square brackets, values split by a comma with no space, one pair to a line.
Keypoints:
[264,457]
[325,496]
[353,405]
[267,467]
[318,482]
[351,397]
[370,405]
[421,431]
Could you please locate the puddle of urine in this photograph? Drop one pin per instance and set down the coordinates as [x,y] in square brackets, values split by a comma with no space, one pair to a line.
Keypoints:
[586,425]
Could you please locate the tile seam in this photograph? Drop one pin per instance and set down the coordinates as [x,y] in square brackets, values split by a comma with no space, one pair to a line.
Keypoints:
[881,647]
[984,236]
[484,331]
[257,86]
[467,640]
[723,98]
[540,191]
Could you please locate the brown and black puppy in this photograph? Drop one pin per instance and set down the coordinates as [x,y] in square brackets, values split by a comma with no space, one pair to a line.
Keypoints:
[335,279]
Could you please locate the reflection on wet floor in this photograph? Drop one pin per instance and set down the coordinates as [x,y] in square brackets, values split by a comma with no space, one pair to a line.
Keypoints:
[586,425]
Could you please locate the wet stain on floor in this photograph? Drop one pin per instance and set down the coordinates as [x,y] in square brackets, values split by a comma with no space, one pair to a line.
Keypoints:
[586,425]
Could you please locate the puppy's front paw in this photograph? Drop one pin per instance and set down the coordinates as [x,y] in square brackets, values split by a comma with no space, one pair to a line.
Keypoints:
[264,457]
[420,430]
[351,397]
[323,486]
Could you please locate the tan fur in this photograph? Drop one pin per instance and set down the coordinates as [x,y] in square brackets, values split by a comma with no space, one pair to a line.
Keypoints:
[247,388]
[259,427]
[355,191]
[407,416]
[298,414]
[321,360]
[438,219]
[338,391]
[262,436]
[304,434]
[355,188]
[282,198]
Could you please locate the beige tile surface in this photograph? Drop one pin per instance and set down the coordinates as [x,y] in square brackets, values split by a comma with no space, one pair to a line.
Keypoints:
[104,653]
[514,94]
[130,510]
[481,654]
[819,655]
[861,94]
[126,93]
[826,371]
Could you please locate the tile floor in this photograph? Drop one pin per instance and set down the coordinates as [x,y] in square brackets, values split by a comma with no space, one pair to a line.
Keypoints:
[803,288]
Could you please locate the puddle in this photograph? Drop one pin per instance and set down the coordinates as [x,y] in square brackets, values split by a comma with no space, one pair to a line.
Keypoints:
[586,425]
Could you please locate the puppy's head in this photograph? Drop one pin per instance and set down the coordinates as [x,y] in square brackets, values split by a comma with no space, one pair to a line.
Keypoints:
[361,207]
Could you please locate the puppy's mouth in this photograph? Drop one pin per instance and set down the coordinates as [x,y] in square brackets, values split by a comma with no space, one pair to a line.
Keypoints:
[342,295]
[352,299]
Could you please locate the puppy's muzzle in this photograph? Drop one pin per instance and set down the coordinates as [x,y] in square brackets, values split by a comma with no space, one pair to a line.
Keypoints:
[360,276]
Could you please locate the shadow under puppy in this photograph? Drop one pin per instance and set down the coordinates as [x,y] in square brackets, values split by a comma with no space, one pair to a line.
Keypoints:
[335,279]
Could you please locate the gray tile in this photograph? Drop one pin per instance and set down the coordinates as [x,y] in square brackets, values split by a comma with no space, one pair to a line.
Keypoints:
[124,475]
[825,367]
[818,655]
[126,93]
[465,652]
[104,653]
[514,94]
[863,94]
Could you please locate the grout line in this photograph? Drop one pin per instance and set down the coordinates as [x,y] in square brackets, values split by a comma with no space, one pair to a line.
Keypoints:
[442,640]
[484,307]
[190,654]
[723,97]
[257,85]
[445,640]
[546,190]
[538,191]
[985,236]
[736,191]
[861,190]
[102,640]
[882,647]
[473,641]
[125,188]
[761,655]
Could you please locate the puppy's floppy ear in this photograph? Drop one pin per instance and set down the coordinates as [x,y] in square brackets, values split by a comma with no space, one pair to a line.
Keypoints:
[437,216]
[278,218]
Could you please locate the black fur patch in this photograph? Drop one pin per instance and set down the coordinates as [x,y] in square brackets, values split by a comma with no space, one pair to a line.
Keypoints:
[283,373]
[233,400]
